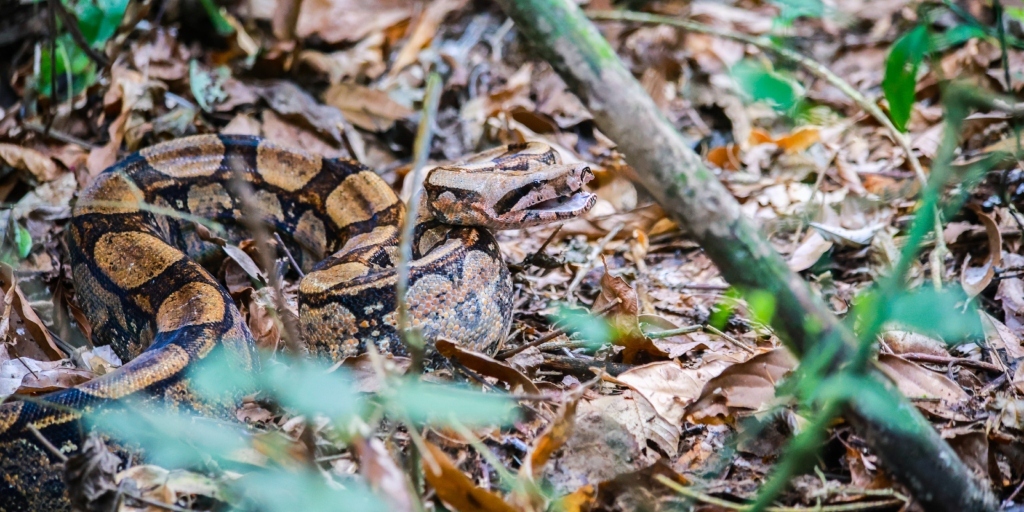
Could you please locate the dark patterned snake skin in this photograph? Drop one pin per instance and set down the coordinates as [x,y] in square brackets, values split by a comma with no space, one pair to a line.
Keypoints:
[135,253]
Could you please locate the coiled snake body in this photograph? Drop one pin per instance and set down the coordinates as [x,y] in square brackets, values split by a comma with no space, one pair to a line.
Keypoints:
[134,250]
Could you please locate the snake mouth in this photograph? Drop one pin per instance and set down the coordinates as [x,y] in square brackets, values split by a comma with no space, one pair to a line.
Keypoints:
[571,205]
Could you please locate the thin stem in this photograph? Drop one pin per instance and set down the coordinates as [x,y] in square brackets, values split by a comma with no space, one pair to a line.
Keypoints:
[421,149]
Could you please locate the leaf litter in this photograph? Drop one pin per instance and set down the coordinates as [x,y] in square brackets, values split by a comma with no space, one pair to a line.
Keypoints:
[602,415]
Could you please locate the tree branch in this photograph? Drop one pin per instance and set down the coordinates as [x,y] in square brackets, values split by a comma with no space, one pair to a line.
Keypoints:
[691,194]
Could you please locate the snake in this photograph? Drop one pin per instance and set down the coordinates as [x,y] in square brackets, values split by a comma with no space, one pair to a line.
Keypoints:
[139,242]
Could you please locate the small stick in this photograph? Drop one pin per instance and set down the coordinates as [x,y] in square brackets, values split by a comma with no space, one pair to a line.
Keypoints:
[730,339]
[929,358]
[530,257]
[673,332]
[582,367]
[47,444]
[58,135]
[288,253]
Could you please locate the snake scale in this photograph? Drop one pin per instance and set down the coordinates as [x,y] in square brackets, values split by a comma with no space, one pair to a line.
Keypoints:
[136,257]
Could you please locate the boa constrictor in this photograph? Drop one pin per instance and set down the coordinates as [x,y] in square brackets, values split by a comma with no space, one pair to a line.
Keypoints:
[136,255]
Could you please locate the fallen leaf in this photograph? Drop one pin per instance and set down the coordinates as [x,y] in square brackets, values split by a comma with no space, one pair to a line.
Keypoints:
[370,109]
[938,394]
[799,140]
[485,365]
[27,159]
[809,252]
[337,21]
[975,279]
[426,28]
[847,237]
[91,476]
[383,474]
[455,488]
[551,440]
[163,486]
[26,376]
[741,388]
[298,106]
[668,386]
[624,317]
[40,333]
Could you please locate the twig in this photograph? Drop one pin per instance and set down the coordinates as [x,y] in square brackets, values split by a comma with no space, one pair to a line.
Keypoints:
[678,179]
[582,367]
[812,66]
[71,24]
[591,258]
[551,335]
[711,500]
[735,342]
[657,335]
[58,135]
[929,358]
[540,250]
[46,443]
[288,254]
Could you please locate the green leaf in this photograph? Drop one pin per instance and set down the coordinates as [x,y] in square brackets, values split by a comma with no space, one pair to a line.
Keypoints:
[69,61]
[955,36]
[23,239]
[169,438]
[437,404]
[900,78]
[937,313]
[595,331]
[277,490]
[98,19]
[761,83]
[793,9]
[220,23]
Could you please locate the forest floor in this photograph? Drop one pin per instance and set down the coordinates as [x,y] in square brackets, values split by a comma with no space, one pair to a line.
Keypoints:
[672,376]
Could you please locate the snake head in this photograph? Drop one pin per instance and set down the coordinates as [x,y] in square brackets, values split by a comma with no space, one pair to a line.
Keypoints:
[515,194]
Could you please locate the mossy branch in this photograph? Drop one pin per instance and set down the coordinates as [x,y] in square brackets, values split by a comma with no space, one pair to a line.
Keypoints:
[691,194]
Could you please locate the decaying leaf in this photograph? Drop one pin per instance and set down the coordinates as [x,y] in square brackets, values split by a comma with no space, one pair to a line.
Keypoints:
[668,386]
[455,488]
[975,279]
[625,318]
[486,366]
[383,474]
[741,388]
[28,159]
[369,109]
[932,391]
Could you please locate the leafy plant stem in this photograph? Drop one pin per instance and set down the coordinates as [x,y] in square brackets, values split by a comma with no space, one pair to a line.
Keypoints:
[421,150]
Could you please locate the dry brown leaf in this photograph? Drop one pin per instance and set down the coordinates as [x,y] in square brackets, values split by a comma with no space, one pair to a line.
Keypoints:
[668,386]
[20,305]
[455,488]
[624,317]
[1010,294]
[904,342]
[27,159]
[242,124]
[485,365]
[383,474]
[426,27]
[297,106]
[91,474]
[278,129]
[809,251]
[370,109]
[938,394]
[975,279]
[163,486]
[610,439]
[337,21]
[741,388]
[552,440]
[1000,337]
[26,376]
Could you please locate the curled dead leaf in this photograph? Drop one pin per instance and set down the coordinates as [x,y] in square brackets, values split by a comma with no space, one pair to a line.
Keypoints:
[383,474]
[27,159]
[975,279]
[485,365]
[935,393]
[741,388]
[668,386]
[624,318]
